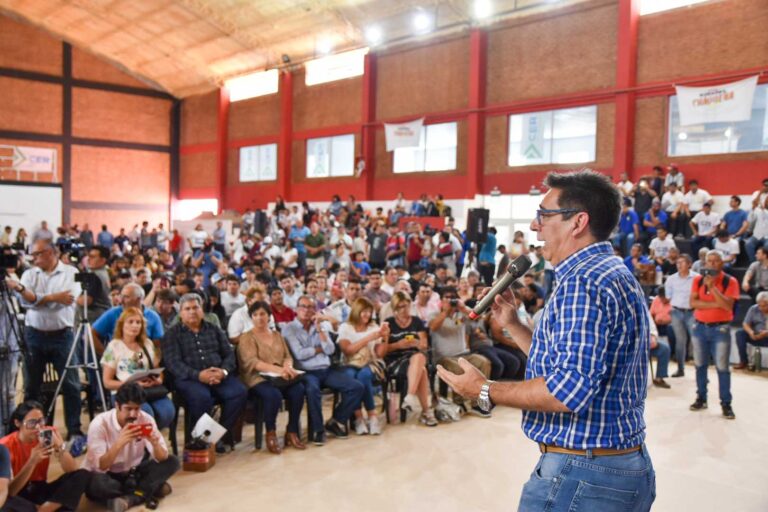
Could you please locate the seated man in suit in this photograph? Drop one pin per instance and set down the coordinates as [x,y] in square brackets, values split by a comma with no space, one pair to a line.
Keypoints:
[199,357]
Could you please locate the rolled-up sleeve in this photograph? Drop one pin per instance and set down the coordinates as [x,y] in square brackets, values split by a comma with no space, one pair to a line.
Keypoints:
[579,344]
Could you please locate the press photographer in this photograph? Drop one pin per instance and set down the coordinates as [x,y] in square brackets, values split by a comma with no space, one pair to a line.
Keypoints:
[10,339]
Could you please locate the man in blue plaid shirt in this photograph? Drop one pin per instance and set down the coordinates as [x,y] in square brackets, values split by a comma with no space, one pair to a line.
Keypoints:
[583,397]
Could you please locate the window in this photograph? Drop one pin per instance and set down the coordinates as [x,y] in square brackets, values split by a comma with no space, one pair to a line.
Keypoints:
[436,150]
[253,85]
[654,6]
[723,137]
[566,136]
[258,163]
[335,67]
[331,156]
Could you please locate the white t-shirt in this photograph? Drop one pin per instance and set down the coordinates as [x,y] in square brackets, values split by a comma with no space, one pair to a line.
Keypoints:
[729,248]
[292,255]
[230,303]
[103,434]
[625,187]
[696,201]
[760,217]
[661,247]
[706,223]
[197,238]
[670,200]
[125,361]
[366,354]
[450,340]
[272,253]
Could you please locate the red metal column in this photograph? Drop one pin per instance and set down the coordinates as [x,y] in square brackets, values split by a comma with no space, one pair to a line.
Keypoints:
[221,147]
[626,78]
[368,143]
[476,120]
[285,146]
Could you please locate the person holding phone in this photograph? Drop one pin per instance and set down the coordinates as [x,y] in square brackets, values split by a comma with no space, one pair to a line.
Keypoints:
[117,442]
[31,447]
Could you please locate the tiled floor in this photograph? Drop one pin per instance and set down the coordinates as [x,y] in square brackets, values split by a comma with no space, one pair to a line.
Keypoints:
[703,463]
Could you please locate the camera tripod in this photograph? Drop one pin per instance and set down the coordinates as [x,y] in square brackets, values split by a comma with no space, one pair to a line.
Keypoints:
[9,330]
[84,339]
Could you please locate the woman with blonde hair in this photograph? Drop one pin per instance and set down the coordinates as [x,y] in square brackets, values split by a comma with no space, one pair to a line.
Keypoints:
[357,337]
[130,352]
[404,351]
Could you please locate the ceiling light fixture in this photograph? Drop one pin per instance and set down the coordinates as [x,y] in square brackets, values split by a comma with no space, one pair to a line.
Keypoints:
[374,35]
[324,46]
[422,21]
[482,9]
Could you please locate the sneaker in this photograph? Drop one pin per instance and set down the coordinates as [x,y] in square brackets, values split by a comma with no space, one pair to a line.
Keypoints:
[698,405]
[336,429]
[428,418]
[678,373]
[411,404]
[318,438]
[661,383]
[361,428]
[728,412]
[221,447]
[74,434]
[78,446]
[477,411]
[374,426]
[122,503]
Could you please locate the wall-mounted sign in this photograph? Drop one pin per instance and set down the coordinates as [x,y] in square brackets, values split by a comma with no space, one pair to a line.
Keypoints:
[28,159]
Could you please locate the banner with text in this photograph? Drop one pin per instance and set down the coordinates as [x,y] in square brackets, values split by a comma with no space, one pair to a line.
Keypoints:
[403,135]
[720,103]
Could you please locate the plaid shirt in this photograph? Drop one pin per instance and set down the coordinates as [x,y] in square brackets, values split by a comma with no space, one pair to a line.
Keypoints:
[591,346]
[187,353]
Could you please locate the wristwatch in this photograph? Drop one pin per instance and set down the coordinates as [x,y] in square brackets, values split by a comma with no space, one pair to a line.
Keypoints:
[225,372]
[22,288]
[484,400]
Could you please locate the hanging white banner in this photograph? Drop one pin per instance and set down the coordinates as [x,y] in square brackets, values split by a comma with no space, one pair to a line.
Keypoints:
[403,135]
[721,103]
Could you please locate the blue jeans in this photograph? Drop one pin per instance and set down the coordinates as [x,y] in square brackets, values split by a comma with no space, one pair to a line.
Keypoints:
[682,326]
[272,398]
[504,365]
[200,398]
[624,241]
[742,338]
[712,341]
[751,245]
[162,410]
[351,394]
[661,353]
[573,483]
[44,348]
[9,369]
[365,376]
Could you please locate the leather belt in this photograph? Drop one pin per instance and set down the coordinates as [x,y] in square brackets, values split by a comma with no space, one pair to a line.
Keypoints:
[714,324]
[596,452]
[57,332]
[685,310]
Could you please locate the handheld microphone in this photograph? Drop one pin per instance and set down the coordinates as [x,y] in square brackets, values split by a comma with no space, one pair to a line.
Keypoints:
[515,269]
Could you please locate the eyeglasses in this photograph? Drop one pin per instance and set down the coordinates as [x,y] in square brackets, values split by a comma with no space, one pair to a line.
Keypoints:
[30,424]
[39,253]
[306,306]
[545,212]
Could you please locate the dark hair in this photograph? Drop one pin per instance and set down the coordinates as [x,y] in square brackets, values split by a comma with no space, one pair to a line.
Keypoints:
[441,266]
[259,304]
[130,392]
[446,290]
[232,277]
[166,295]
[21,411]
[103,251]
[693,182]
[721,233]
[737,199]
[591,192]
[189,283]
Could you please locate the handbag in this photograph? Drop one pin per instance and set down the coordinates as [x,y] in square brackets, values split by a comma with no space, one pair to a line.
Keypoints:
[155,392]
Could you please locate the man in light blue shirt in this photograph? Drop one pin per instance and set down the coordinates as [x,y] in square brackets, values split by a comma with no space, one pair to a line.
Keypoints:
[299,232]
[486,258]
[678,290]
[311,346]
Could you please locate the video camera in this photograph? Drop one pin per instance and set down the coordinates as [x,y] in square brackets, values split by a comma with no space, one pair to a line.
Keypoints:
[73,248]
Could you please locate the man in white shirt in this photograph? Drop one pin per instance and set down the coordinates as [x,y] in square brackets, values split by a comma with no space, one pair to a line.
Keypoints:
[759,217]
[624,185]
[232,299]
[661,245]
[678,291]
[674,176]
[695,198]
[162,237]
[197,238]
[727,245]
[291,292]
[117,441]
[704,226]
[426,308]
[673,202]
[48,291]
[390,280]
[759,196]
[271,252]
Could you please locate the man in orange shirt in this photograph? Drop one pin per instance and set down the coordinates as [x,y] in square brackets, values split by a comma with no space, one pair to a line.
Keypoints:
[713,295]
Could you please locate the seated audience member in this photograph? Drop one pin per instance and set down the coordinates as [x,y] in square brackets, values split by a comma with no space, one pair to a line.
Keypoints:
[128,455]
[661,351]
[262,350]
[357,337]
[728,246]
[132,297]
[404,353]
[504,365]
[754,330]
[312,287]
[130,352]
[704,226]
[654,219]
[214,311]
[756,278]
[448,329]
[199,357]
[311,345]
[387,310]
[231,298]
[165,306]
[373,291]
[30,460]
[240,321]
[673,205]
[661,314]
[280,311]
[735,221]
[661,245]
[629,228]
[669,264]
[759,218]
[640,265]
[10,503]
[424,305]
[206,260]
[338,312]
[701,262]
[291,292]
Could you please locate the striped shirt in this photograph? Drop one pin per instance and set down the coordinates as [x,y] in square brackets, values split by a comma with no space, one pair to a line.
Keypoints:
[591,346]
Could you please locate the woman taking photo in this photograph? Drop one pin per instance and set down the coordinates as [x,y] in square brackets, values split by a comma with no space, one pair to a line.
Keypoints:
[131,351]
[266,368]
[357,336]
[403,352]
